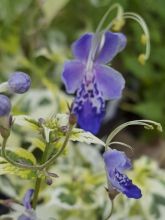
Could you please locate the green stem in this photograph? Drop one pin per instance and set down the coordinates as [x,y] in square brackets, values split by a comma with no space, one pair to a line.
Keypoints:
[44,164]
[36,192]
[51,160]
[14,163]
[39,179]
[110,214]
[47,164]
[36,167]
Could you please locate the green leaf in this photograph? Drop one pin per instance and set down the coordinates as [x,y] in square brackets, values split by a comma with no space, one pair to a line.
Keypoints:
[51,8]
[78,134]
[6,168]
[26,122]
[37,143]
[85,137]
[55,126]
[24,154]
[67,198]
[19,155]
[10,9]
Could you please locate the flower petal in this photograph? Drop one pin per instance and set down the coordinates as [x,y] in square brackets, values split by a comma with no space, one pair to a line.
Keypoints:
[72,75]
[113,44]
[115,159]
[110,81]
[27,198]
[82,46]
[88,118]
[123,184]
[132,191]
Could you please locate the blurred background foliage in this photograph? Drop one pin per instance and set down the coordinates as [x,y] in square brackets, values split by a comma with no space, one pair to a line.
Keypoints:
[35,37]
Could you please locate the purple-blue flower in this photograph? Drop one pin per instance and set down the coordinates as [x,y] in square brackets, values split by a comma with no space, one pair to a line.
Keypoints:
[116,162]
[29,212]
[19,82]
[27,198]
[93,81]
[5,105]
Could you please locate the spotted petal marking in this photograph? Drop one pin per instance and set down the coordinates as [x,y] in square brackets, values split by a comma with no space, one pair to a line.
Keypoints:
[90,104]
[126,185]
[122,179]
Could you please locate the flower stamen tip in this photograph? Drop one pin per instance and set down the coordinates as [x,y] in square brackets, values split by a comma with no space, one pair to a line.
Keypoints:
[118,24]
[142,59]
[144,39]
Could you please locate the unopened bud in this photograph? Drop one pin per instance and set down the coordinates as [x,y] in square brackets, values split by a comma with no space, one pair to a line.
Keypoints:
[54,175]
[48,180]
[41,121]
[5,118]
[5,105]
[19,82]
[72,119]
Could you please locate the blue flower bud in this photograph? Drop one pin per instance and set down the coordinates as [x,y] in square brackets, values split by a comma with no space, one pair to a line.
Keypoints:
[19,82]
[5,105]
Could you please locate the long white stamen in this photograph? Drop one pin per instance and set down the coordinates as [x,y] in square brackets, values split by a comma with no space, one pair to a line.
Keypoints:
[140,20]
[148,124]
[119,14]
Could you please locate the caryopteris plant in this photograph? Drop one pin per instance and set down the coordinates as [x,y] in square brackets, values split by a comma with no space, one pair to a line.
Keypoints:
[93,82]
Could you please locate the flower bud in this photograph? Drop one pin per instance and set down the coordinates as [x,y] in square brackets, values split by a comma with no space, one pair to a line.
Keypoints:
[19,82]
[48,180]
[41,121]
[72,119]
[5,105]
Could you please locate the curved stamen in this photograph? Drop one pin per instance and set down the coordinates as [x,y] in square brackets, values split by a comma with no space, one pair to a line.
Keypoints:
[118,16]
[98,37]
[142,23]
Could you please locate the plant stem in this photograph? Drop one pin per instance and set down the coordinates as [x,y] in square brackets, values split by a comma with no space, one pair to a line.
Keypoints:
[36,192]
[110,214]
[39,179]
[51,160]
[14,163]
[47,164]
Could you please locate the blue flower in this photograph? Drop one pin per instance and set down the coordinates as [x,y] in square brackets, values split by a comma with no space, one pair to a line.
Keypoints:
[29,213]
[5,105]
[93,81]
[116,163]
[27,198]
[19,82]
